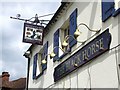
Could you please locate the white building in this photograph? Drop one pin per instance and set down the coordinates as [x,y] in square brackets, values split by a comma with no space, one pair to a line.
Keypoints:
[94,63]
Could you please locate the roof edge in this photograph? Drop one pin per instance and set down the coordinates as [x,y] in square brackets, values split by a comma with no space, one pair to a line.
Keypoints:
[53,19]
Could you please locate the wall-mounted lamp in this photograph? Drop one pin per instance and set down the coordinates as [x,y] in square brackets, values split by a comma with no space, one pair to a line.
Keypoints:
[44,60]
[76,65]
[77,32]
[65,43]
[53,53]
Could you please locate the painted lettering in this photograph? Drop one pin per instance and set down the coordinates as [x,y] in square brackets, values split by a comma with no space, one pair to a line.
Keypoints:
[97,46]
[77,59]
[101,43]
[72,61]
[93,49]
[67,65]
[89,52]
[84,55]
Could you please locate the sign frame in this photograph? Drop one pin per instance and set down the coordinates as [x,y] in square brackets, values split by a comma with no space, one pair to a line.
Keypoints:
[37,33]
[79,58]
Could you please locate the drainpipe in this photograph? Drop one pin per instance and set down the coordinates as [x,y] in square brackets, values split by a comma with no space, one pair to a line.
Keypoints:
[28,69]
[27,55]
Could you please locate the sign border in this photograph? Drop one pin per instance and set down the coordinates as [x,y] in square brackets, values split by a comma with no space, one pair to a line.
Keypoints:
[72,68]
[33,41]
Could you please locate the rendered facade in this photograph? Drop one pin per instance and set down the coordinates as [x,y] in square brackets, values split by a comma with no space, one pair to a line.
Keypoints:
[90,60]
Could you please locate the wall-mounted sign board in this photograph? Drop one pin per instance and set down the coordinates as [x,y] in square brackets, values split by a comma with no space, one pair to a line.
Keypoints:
[33,34]
[93,49]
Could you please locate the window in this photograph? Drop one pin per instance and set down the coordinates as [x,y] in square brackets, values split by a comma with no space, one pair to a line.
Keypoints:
[38,66]
[68,28]
[64,31]
[117,8]
[110,8]
[107,9]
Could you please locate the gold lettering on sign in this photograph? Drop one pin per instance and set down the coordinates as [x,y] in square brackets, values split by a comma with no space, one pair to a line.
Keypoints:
[68,65]
[84,55]
[72,62]
[77,59]
[89,52]
[93,49]
[97,46]
[101,43]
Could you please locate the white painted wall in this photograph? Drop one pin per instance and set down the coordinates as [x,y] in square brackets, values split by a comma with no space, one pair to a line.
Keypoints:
[103,70]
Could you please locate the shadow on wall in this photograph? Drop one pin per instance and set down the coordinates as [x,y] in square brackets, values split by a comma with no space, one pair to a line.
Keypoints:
[92,18]
[40,80]
[89,66]
[119,36]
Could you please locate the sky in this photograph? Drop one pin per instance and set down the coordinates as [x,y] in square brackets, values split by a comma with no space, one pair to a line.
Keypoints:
[11,32]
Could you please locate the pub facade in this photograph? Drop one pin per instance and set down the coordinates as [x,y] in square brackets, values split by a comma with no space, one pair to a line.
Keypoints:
[80,47]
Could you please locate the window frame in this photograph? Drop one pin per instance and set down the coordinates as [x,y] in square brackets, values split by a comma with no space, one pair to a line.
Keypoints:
[35,62]
[115,13]
[64,27]
[39,54]
[66,33]
[71,24]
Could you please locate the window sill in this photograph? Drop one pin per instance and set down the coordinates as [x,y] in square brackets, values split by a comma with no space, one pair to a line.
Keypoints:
[116,12]
[39,75]
[64,54]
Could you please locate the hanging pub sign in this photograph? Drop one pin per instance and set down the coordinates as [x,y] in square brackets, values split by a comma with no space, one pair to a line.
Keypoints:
[33,34]
[93,49]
